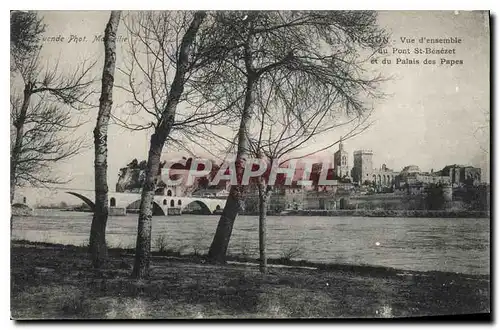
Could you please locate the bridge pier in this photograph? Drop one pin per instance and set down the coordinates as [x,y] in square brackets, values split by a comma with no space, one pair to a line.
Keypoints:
[117,211]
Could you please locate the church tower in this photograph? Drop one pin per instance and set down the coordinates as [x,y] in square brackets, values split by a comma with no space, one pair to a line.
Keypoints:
[340,165]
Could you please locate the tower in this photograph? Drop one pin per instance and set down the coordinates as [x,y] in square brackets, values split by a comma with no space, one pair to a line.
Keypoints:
[340,164]
[362,166]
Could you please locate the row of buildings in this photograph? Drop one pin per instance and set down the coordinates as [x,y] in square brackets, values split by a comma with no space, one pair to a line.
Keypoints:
[364,173]
[361,181]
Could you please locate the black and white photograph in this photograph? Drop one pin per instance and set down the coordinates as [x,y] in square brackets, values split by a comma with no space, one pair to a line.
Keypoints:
[250,164]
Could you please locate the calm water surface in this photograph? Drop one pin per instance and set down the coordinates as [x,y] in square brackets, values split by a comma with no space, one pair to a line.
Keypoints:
[456,245]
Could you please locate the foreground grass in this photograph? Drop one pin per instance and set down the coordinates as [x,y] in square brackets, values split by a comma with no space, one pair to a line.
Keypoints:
[54,281]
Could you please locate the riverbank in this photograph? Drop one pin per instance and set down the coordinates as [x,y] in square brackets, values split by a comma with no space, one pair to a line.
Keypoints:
[25,211]
[391,213]
[55,281]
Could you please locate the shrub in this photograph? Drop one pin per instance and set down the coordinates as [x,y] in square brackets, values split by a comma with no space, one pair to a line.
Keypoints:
[161,243]
[198,245]
[292,252]
[246,251]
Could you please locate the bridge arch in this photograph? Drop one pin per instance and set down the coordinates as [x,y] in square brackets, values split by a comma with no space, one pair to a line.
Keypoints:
[161,203]
[89,202]
[157,209]
[204,209]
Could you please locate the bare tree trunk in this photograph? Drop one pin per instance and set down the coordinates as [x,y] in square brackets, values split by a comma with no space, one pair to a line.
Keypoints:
[162,131]
[143,242]
[97,241]
[220,243]
[315,72]
[18,144]
[263,205]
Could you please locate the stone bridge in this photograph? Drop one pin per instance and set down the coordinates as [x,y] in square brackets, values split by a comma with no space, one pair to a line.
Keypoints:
[131,201]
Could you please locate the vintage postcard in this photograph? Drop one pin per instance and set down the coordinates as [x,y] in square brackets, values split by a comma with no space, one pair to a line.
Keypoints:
[250,164]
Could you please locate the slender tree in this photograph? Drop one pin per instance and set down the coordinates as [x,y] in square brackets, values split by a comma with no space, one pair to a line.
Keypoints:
[167,51]
[40,120]
[149,70]
[286,123]
[327,47]
[153,51]
[97,240]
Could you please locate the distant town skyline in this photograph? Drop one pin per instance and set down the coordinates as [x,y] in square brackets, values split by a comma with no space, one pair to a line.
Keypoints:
[432,116]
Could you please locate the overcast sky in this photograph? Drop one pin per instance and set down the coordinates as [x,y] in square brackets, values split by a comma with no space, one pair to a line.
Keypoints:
[433,115]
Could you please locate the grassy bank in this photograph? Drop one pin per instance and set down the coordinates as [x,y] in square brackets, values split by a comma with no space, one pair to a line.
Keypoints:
[55,281]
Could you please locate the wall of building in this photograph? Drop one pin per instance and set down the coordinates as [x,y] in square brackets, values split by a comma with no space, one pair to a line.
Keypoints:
[340,162]
[460,175]
[384,177]
[390,201]
[362,166]
[322,200]
[429,178]
[472,174]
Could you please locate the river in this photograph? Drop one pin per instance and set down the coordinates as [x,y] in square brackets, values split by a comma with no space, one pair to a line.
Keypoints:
[424,244]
